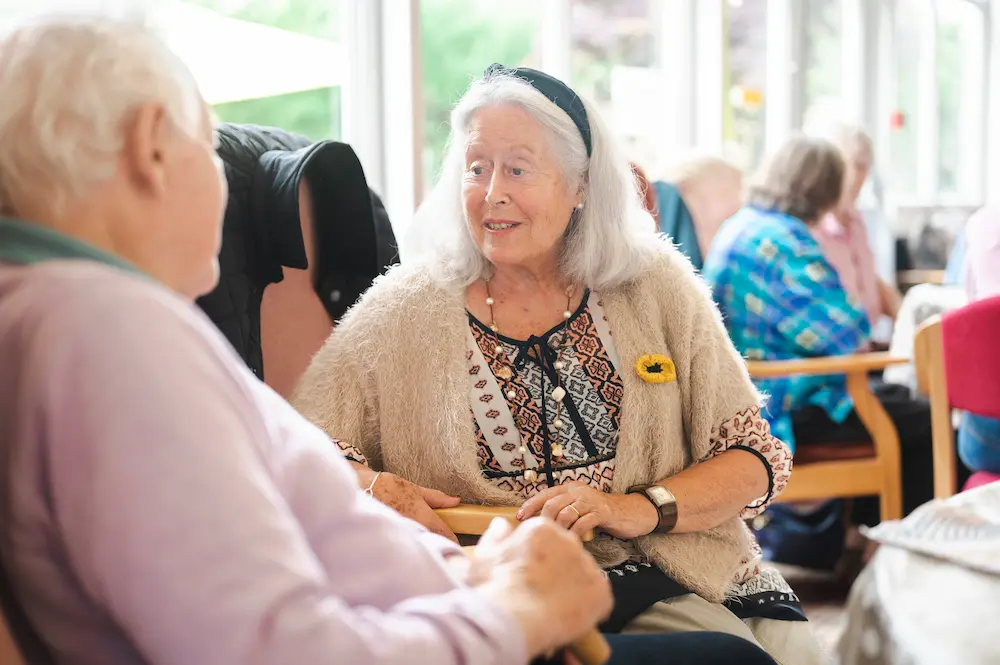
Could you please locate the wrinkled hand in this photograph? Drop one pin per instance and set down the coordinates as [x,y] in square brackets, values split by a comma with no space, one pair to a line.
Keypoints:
[580,508]
[409,499]
[544,578]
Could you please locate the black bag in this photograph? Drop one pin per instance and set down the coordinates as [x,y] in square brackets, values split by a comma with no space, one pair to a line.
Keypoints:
[813,539]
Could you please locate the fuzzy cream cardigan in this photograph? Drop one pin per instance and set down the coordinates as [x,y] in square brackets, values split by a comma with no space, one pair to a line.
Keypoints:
[392,381]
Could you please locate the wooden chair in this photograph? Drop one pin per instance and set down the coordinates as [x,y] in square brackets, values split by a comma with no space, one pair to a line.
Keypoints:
[469,520]
[957,358]
[849,468]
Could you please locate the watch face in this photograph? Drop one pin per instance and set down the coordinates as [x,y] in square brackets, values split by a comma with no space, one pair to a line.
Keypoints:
[661,495]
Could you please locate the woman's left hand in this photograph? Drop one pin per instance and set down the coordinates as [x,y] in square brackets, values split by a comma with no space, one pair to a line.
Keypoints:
[581,508]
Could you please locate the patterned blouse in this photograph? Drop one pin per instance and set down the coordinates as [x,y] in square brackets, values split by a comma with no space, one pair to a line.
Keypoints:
[781,299]
[510,387]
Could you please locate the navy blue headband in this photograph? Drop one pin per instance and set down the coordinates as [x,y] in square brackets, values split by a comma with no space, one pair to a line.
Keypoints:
[555,91]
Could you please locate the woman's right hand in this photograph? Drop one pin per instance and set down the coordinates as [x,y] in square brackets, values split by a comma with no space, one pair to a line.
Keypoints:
[408,499]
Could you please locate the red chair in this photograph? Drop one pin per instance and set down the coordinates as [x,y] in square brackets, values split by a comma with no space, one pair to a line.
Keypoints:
[958,366]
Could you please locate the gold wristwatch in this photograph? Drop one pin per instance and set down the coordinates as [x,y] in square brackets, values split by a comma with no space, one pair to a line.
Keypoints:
[664,502]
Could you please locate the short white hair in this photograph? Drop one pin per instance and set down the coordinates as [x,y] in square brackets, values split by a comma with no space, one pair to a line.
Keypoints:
[67,86]
[703,169]
[847,136]
[609,242]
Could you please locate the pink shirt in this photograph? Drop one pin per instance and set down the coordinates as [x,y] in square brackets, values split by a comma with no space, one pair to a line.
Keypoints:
[982,254]
[160,505]
[846,248]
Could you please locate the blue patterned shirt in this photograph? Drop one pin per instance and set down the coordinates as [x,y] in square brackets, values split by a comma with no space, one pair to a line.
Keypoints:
[781,300]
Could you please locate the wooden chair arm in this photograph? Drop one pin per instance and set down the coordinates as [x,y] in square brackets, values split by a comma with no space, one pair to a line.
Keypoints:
[869,409]
[591,649]
[914,277]
[472,520]
[851,364]
[874,417]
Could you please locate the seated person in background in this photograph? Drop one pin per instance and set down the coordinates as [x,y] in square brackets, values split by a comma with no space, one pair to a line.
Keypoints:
[543,348]
[843,236]
[781,299]
[159,504]
[979,436]
[701,194]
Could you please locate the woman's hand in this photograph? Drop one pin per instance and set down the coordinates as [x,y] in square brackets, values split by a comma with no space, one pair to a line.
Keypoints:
[408,499]
[581,508]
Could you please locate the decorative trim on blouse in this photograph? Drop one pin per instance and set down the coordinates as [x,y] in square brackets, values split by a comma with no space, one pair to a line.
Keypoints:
[525,413]
[595,358]
[506,402]
[748,430]
[352,453]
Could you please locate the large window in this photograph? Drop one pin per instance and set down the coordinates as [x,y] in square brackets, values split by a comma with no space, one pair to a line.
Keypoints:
[262,62]
[822,45]
[459,39]
[745,80]
[615,65]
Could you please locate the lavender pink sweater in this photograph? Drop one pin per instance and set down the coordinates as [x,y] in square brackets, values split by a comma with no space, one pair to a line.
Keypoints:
[161,505]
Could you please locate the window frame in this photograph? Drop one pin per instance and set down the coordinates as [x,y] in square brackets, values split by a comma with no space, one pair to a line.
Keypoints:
[382,94]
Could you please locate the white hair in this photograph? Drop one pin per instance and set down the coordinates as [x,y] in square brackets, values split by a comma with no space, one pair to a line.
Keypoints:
[849,137]
[703,169]
[67,85]
[608,242]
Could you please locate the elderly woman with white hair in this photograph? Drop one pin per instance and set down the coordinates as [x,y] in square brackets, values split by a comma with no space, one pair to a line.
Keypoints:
[542,347]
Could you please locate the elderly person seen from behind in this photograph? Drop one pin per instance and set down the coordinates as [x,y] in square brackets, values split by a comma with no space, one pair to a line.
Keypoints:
[542,347]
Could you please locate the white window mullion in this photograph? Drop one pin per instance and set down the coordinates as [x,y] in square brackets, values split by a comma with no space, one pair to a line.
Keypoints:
[361,95]
[678,66]
[782,71]
[993,78]
[855,58]
[973,127]
[402,110]
[886,93]
[928,123]
[709,67]
[557,39]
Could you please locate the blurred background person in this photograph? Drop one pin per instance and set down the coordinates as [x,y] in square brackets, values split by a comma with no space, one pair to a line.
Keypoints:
[695,198]
[781,298]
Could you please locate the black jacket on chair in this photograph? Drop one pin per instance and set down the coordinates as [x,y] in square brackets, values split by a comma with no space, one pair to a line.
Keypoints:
[262,233]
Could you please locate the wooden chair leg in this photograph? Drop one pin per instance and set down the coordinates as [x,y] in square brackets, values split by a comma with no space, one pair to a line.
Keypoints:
[878,423]
[890,501]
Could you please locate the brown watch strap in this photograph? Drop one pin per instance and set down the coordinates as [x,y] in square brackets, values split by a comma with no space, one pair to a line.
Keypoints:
[667,513]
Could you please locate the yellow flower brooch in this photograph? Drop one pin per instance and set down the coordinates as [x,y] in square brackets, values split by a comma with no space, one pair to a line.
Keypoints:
[654,368]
